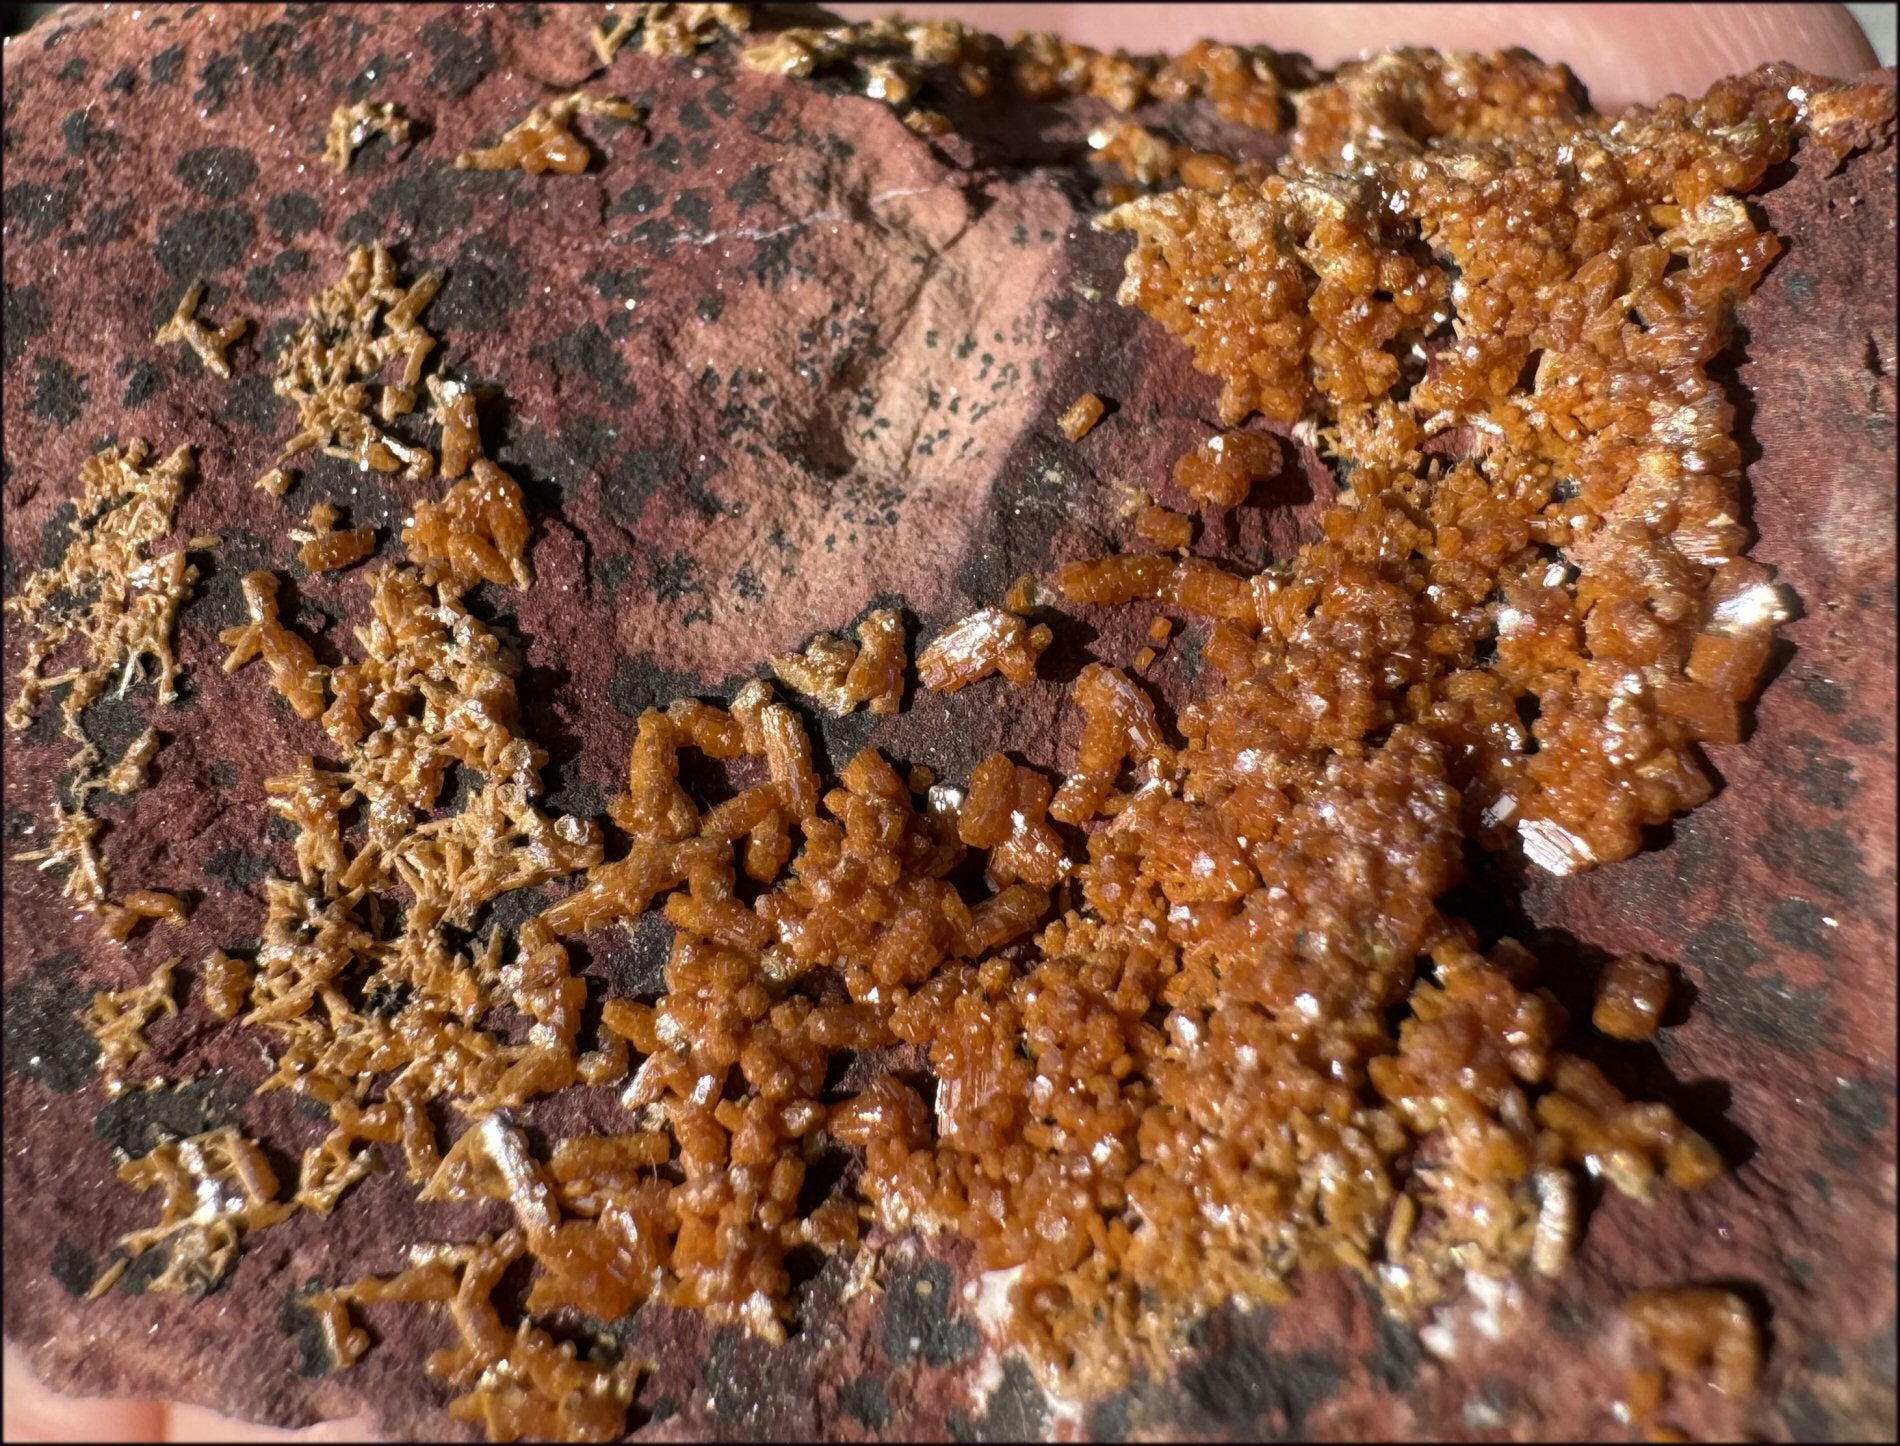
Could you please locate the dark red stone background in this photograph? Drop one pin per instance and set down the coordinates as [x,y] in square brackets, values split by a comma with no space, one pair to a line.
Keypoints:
[772,360]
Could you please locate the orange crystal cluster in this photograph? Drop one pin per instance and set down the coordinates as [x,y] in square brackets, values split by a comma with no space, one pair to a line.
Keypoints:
[104,606]
[1560,286]
[542,140]
[1700,1335]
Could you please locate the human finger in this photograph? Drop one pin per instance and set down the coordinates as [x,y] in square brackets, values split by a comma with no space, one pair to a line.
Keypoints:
[1622,53]
[35,1413]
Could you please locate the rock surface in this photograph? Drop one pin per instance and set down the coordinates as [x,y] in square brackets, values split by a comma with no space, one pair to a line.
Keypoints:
[773,360]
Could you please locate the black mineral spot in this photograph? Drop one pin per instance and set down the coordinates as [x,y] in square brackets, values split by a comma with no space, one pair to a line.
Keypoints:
[200,244]
[430,202]
[236,868]
[73,72]
[262,51]
[658,232]
[637,200]
[34,211]
[760,121]
[251,403]
[673,575]
[1859,1109]
[772,259]
[58,533]
[261,287]
[1394,1359]
[550,467]
[755,188]
[25,317]
[217,82]
[588,352]
[1864,731]
[1881,1352]
[569,793]
[1826,694]
[866,1402]
[73,1268]
[105,224]
[693,208]
[221,173]
[1827,859]
[693,116]
[641,683]
[138,1121]
[835,741]
[639,967]
[461,59]
[1827,781]
[1724,945]
[1826,1360]
[666,152]
[142,384]
[920,1320]
[730,1385]
[511,910]
[1801,925]
[292,214]
[363,499]
[1017,1410]
[168,65]
[298,1321]
[278,335]
[218,600]
[386,1000]
[224,774]
[1769,1007]
[361,228]
[75,130]
[59,396]
[112,724]
[1806,1417]
[143,1270]
[634,475]
[709,308]
[1107,1419]
[611,574]
[44,1039]
[486,283]
[1242,1388]
[123,81]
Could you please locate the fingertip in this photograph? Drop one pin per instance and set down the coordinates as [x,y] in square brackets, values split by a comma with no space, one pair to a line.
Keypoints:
[33,1412]
[196,1423]
[1623,53]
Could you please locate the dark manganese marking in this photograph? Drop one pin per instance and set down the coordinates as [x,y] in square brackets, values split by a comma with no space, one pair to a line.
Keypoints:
[918,1319]
[220,173]
[44,1039]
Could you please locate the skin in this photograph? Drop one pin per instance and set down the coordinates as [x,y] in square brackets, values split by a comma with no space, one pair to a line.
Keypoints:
[1623,53]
